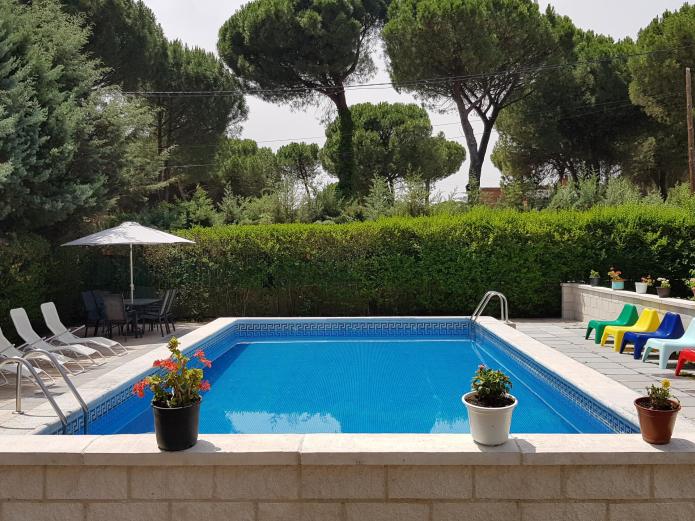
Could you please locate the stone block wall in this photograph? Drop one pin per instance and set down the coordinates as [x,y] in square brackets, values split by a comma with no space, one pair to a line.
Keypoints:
[348,478]
[349,493]
[582,303]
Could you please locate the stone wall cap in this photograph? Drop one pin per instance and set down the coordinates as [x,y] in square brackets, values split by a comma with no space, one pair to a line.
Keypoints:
[346,449]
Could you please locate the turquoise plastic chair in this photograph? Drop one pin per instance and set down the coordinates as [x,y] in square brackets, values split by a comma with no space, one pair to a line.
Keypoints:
[628,317]
[667,347]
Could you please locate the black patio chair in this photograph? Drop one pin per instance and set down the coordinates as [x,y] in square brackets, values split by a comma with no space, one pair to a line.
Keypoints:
[93,317]
[160,313]
[115,314]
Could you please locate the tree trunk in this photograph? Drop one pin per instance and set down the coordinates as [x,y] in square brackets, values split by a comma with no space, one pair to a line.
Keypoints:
[476,151]
[345,169]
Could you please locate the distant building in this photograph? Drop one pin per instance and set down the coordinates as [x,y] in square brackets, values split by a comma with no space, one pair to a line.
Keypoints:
[490,195]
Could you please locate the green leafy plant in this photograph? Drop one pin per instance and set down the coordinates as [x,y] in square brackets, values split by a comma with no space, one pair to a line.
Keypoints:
[178,385]
[690,281]
[491,387]
[594,274]
[664,282]
[660,397]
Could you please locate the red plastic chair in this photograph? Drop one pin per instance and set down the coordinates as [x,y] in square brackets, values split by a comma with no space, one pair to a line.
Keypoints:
[687,355]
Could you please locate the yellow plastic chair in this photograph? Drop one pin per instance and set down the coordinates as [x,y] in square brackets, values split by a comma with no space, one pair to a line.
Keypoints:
[648,322]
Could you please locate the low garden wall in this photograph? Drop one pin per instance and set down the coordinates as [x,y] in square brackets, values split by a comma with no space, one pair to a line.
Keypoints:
[582,302]
[347,478]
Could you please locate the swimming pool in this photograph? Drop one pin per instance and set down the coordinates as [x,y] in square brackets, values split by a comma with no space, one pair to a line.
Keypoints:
[364,376]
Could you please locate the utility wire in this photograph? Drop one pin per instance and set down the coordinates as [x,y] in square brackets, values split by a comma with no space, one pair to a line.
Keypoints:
[429,81]
[578,111]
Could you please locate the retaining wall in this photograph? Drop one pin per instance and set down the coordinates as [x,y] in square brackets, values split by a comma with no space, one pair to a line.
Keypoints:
[347,478]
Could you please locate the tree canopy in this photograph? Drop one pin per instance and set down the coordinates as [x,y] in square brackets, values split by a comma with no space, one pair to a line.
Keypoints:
[300,162]
[125,36]
[663,50]
[578,120]
[293,51]
[190,127]
[394,141]
[63,137]
[483,55]
[244,168]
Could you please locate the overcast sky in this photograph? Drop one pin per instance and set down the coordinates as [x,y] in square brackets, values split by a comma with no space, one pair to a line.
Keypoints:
[196,23]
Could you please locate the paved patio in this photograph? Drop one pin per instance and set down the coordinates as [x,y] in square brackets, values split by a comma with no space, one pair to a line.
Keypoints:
[33,397]
[568,338]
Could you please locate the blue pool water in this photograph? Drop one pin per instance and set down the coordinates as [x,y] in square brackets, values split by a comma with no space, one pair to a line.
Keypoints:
[409,385]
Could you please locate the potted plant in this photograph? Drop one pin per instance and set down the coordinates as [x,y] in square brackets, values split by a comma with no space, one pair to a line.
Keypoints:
[657,413]
[690,281]
[646,283]
[490,406]
[617,281]
[664,287]
[176,400]
[594,278]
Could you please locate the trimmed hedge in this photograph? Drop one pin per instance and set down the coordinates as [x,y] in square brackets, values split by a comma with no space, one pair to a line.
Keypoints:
[424,266]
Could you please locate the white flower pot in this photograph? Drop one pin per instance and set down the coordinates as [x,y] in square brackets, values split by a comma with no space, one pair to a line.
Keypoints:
[489,425]
[641,287]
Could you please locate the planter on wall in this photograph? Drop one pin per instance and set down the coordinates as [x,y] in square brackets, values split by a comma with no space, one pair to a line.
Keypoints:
[176,428]
[595,281]
[489,425]
[641,288]
[656,426]
[663,292]
[617,284]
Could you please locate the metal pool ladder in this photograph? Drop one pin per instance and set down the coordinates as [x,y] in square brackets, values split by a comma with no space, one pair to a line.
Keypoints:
[504,307]
[24,362]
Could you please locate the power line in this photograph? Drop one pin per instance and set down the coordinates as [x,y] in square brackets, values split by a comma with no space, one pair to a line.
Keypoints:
[428,81]
[578,111]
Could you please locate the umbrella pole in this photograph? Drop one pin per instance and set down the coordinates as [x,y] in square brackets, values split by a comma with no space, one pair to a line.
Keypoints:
[132,286]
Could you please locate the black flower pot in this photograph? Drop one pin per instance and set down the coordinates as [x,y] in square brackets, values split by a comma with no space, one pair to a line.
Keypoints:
[595,281]
[663,292]
[176,428]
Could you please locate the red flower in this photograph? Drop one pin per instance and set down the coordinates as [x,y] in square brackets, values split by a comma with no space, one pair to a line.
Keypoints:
[139,388]
[204,385]
[167,364]
[200,355]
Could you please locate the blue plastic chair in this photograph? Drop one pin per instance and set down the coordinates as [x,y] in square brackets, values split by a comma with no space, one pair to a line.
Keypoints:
[671,327]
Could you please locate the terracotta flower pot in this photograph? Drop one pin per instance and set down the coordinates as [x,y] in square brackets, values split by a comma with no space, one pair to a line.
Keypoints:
[176,428]
[656,426]
[663,292]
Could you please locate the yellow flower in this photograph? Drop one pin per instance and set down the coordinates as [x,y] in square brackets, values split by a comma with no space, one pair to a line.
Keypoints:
[666,383]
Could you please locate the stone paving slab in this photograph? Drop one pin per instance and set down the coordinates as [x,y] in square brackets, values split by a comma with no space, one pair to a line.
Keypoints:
[568,338]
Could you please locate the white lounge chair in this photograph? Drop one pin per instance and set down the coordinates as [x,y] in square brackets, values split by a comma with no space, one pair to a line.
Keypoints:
[64,335]
[7,350]
[33,340]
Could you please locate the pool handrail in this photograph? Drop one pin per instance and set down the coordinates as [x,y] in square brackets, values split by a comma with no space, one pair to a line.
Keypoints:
[504,307]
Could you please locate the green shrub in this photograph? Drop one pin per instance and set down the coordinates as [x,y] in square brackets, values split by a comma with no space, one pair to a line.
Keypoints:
[25,263]
[436,265]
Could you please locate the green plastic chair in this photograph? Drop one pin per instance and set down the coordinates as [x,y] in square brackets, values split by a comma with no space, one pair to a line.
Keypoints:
[628,317]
